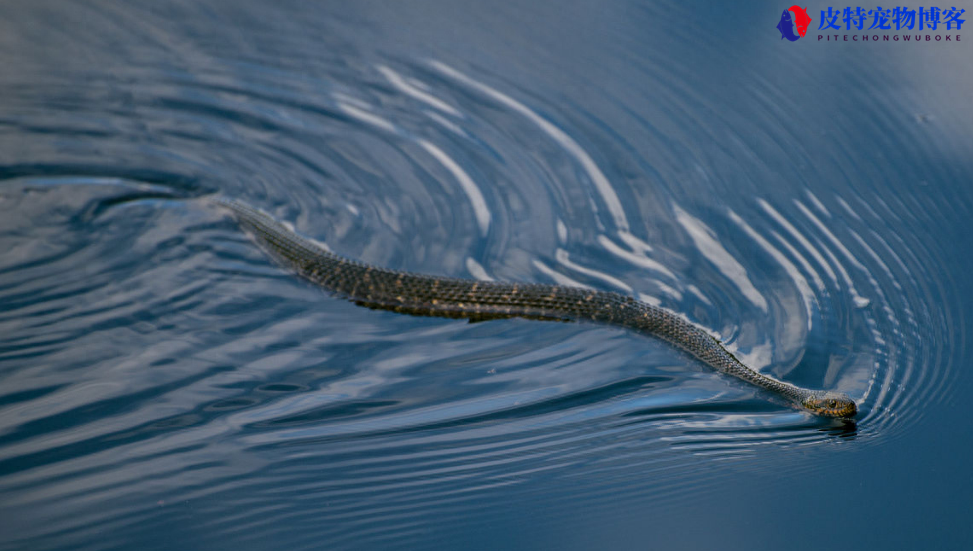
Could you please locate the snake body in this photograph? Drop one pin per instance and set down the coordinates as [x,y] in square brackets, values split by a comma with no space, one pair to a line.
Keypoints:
[426,295]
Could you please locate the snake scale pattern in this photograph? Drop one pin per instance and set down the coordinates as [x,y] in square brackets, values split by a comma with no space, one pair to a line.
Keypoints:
[426,295]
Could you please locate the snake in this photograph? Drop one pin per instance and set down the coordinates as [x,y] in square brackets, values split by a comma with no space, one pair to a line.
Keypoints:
[449,297]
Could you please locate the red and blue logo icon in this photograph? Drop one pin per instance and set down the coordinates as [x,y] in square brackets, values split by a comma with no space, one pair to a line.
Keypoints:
[793,17]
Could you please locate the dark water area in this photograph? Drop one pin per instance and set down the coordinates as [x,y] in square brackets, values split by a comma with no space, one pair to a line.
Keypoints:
[165,385]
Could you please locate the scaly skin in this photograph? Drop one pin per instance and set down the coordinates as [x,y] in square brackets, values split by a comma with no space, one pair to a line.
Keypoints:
[425,295]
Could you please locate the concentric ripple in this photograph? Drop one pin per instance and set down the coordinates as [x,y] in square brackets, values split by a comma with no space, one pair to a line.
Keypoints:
[158,372]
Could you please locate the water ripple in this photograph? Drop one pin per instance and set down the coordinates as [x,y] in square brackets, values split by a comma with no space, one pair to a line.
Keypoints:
[151,356]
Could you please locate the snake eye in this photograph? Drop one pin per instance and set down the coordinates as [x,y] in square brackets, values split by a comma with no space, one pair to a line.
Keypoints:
[832,403]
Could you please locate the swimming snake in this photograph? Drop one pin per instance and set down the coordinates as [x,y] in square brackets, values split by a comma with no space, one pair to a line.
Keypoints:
[427,295]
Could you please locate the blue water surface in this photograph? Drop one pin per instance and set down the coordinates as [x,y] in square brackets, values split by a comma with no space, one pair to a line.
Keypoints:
[165,385]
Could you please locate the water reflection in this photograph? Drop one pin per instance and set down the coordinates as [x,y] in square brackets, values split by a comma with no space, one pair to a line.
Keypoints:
[159,374]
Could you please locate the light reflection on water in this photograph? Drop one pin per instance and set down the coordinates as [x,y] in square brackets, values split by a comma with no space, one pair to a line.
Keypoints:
[161,375]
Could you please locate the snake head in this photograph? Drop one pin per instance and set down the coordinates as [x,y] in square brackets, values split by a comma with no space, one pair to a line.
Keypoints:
[830,404]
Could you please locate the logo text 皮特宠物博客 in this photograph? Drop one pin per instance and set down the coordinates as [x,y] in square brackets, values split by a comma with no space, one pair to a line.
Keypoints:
[876,25]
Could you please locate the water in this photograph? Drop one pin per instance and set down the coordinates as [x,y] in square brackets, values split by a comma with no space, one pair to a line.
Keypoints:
[164,385]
